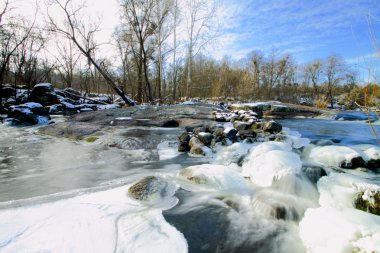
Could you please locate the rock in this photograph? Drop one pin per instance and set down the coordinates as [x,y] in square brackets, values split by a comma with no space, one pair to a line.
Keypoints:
[198,130]
[256,126]
[354,163]
[184,139]
[28,113]
[170,123]
[230,133]
[44,94]
[272,127]
[148,188]
[314,173]
[368,201]
[219,134]
[239,125]
[189,129]
[197,147]
[373,164]
[7,92]
[220,118]
[72,94]
[205,138]
[244,134]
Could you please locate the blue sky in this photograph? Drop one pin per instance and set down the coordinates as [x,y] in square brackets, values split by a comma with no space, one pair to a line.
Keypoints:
[306,29]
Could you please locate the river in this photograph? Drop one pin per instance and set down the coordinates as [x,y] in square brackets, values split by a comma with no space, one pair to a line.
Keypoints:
[61,195]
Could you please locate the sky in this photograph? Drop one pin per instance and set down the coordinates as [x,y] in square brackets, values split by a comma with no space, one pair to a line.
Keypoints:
[306,29]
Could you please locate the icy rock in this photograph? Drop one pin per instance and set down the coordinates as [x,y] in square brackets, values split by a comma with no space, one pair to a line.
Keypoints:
[332,155]
[150,188]
[230,132]
[217,177]
[266,168]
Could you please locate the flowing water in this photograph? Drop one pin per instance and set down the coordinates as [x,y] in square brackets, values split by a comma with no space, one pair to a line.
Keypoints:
[60,195]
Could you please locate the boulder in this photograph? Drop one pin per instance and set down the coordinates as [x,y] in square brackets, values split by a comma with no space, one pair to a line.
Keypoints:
[373,164]
[7,92]
[239,125]
[272,127]
[44,94]
[368,201]
[230,133]
[197,147]
[244,134]
[28,113]
[205,138]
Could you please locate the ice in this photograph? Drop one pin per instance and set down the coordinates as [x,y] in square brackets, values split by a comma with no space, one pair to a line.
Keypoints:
[232,154]
[212,177]
[329,155]
[295,139]
[269,146]
[123,118]
[337,226]
[265,168]
[369,151]
[105,221]
[167,150]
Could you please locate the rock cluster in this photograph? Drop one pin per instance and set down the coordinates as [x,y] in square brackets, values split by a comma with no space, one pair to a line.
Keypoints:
[44,100]
[246,127]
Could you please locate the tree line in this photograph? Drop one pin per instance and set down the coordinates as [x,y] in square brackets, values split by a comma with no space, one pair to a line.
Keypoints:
[160,56]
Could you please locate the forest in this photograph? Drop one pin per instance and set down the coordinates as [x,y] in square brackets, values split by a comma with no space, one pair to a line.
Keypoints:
[160,53]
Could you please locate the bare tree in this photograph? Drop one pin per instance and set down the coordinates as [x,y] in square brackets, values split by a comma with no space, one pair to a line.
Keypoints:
[13,33]
[314,72]
[140,27]
[200,15]
[82,36]
[67,60]
[334,70]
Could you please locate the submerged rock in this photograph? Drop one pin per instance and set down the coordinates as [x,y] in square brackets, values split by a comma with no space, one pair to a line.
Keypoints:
[148,188]
[368,201]
[314,173]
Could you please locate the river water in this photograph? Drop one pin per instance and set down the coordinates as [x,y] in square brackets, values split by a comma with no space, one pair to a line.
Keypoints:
[60,195]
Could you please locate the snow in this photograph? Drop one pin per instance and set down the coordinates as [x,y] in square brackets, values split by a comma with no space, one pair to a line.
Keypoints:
[368,151]
[32,105]
[123,118]
[108,107]
[49,85]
